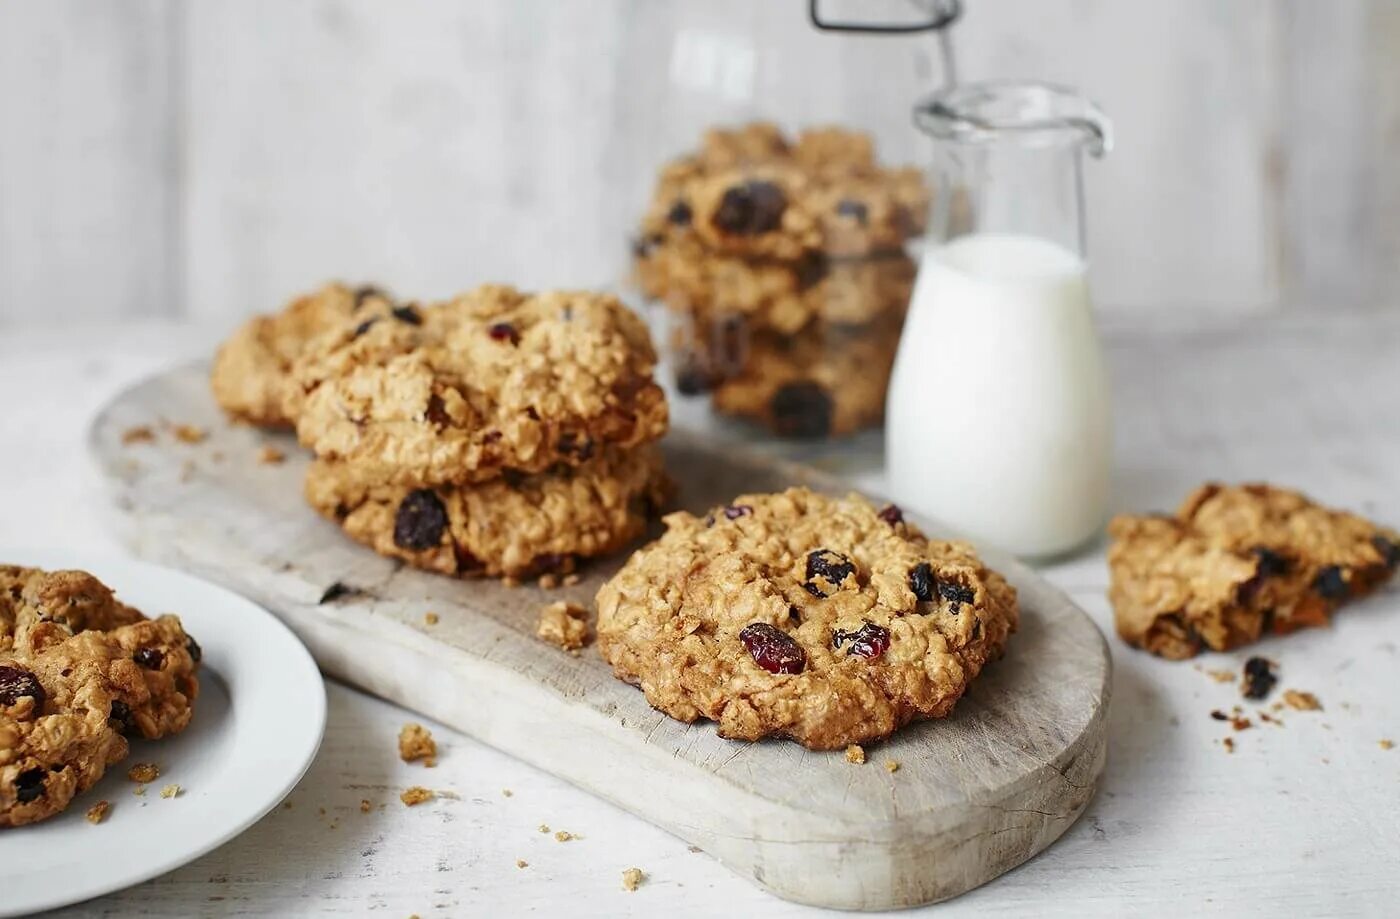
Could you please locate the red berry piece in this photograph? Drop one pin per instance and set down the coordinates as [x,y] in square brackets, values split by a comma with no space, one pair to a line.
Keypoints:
[29,785]
[773,649]
[119,716]
[16,683]
[420,521]
[826,572]
[1259,678]
[679,214]
[869,641]
[801,410]
[735,511]
[956,593]
[504,331]
[1331,583]
[751,209]
[150,658]
[922,582]
[892,514]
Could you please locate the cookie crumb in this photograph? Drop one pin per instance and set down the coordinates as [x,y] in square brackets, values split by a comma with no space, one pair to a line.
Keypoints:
[364,805]
[563,624]
[510,582]
[632,879]
[271,456]
[571,579]
[521,863]
[544,828]
[171,791]
[548,581]
[563,836]
[98,812]
[1386,743]
[140,434]
[286,805]
[1241,724]
[891,765]
[430,619]
[506,792]
[416,742]
[139,791]
[416,795]
[1221,676]
[1301,701]
[189,433]
[144,773]
[855,754]
[1229,743]
[1218,715]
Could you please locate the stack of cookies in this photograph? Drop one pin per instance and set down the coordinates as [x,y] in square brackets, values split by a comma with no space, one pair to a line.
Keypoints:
[498,433]
[783,267]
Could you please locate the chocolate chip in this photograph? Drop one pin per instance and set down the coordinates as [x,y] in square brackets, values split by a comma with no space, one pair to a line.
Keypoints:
[364,327]
[735,511]
[921,581]
[750,209]
[1331,583]
[892,515]
[29,785]
[420,521]
[504,331]
[854,209]
[407,314]
[17,683]
[119,716]
[801,410]
[773,649]
[833,567]
[1259,678]
[150,658]
[679,214]
[195,651]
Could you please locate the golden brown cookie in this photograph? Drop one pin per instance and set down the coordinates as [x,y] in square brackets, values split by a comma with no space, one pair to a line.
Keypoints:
[79,672]
[1237,562]
[494,379]
[515,525]
[251,368]
[796,614]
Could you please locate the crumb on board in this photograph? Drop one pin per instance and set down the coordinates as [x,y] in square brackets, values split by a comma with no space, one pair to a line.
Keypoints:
[415,795]
[855,754]
[1221,676]
[1241,723]
[431,619]
[286,805]
[416,742]
[632,879]
[571,579]
[139,790]
[511,582]
[271,456]
[1386,743]
[171,791]
[548,581]
[98,812]
[544,828]
[139,434]
[506,792]
[521,863]
[891,765]
[1258,678]
[365,805]
[563,624]
[144,773]
[1229,743]
[189,433]
[563,836]
[1301,701]
[1218,715]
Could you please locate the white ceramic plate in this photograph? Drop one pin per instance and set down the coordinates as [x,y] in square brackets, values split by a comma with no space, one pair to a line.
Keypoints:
[256,727]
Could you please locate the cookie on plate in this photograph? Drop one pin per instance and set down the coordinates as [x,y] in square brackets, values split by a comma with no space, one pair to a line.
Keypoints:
[252,367]
[817,618]
[1237,562]
[515,525]
[79,673]
[783,297]
[494,379]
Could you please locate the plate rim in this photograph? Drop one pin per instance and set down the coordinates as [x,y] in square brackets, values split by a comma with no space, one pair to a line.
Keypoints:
[314,707]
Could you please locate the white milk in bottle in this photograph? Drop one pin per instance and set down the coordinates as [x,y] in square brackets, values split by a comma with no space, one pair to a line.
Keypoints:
[998,415]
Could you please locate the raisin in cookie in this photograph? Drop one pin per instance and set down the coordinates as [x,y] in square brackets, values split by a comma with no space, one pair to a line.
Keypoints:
[774,295]
[751,193]
[79,672]
[1238,562]
[825,383]
[802,615]
[252,368]
[494,379]
[516,525]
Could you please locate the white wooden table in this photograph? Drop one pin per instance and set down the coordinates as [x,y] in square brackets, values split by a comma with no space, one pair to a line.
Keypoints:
[1299,820]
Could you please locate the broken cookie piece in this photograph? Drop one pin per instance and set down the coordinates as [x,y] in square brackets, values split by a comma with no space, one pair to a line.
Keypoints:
[563,624]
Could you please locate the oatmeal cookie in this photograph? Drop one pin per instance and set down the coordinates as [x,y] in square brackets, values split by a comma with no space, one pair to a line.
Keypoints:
[494,379]
[826,383]
[251,369]
[79,672]
[515,525]
[818,618]
[1237,562]
[750,193]
[774,295]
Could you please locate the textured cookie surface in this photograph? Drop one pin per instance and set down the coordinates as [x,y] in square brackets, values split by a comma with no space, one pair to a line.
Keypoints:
[1236,562]
[822,384]
[79,672]
[516,525]
[252,368]
[750,192]
[495,379]
[795,614]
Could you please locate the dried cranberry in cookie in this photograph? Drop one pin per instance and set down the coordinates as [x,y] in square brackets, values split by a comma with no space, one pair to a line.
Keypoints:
[797,619]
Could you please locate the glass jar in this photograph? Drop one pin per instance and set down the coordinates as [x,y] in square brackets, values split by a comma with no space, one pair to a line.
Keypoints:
[773,236]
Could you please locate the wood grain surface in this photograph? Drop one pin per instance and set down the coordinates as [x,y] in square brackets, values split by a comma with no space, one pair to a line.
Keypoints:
[975,795]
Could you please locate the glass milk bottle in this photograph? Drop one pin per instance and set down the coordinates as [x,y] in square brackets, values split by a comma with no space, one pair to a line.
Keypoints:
[998,414]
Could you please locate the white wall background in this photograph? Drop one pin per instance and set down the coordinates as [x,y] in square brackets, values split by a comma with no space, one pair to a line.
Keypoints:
[209,158]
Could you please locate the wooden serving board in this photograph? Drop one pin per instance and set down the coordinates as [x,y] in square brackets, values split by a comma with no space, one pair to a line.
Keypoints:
[976,793]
